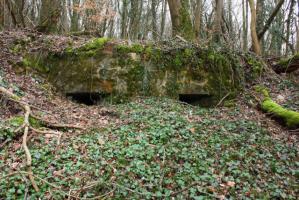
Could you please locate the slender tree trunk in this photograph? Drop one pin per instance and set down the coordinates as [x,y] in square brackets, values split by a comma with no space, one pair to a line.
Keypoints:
[135,15]
[297,29]
[218,21]
[260,14]
[297,36]
[164,12]
[245,24]
[20,9]
[124,19]
[270,19]
[260,18]
[289,20]
[65,28]
[230,18]
[75,16]
[255,41]
[198,19]
[154,19]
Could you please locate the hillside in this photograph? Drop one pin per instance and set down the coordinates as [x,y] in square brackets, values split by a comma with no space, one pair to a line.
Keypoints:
[145,147]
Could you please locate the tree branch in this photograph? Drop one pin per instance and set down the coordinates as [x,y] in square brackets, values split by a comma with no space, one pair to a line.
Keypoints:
[270,19]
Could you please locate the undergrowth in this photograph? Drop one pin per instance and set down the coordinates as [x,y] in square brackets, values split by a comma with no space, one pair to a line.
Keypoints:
[162,148]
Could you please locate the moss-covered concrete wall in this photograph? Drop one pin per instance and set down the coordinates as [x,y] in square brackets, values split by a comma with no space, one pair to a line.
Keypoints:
[108,67]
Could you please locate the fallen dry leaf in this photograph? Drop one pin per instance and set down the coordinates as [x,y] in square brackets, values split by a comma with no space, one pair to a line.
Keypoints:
[192,130]
[231,184]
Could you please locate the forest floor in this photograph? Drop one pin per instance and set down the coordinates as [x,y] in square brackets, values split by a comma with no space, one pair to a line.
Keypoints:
[149,148]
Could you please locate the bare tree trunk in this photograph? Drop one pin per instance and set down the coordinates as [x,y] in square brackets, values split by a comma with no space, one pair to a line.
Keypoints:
[20,9]
[230,18]
[65,28]
[270,20]
[154,19]
[174,7]
[124,19]
[180,18]
[255,41]
[198,18]
[75,16]
[12,13]
[164,12]
[50,14]
[135,15]
[245,24]
[289,20]
[218,21]
[2,7]
[297,29]
[260,16]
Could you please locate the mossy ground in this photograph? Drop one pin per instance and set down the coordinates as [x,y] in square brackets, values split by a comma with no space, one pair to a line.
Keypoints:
[162,147]
[89,49]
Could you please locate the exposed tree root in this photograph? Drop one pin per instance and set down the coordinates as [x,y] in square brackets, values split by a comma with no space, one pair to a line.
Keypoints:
[26,127]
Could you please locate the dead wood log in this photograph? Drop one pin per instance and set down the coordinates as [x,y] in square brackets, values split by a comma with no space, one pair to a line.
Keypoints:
[286,65]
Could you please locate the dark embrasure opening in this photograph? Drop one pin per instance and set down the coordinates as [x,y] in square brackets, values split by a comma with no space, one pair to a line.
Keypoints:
[197,99]
[86,98]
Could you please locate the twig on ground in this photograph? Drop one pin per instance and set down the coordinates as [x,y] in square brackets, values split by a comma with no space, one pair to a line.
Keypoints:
[4,143]
[54,125]
[220,102]
[181,38]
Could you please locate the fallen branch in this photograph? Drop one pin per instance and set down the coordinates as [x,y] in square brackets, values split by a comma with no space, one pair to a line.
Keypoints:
[54,125]
[26,127]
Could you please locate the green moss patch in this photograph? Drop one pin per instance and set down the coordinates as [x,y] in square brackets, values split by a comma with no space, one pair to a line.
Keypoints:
[89,49]
[135,48]
[291,118]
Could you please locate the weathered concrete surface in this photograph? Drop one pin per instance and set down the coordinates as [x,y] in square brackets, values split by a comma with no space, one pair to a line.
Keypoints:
[134,70]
